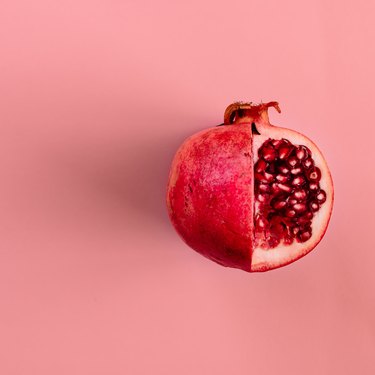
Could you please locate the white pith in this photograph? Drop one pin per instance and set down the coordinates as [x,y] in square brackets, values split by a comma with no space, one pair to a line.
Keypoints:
[263,259]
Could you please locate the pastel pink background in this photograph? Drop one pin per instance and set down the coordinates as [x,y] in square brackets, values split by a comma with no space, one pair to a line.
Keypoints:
[95,98]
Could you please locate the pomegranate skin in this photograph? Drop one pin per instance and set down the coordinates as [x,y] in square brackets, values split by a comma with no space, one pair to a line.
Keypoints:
[209,195]
[250,195]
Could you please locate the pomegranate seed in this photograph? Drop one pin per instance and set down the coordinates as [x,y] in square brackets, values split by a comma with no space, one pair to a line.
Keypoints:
[300,194]
[291,200]
[259,177]
[314,174]
[268,153]
[273,242]
[278,204]
[303,236]
[304,220]
[293,161]
[261,222]
[276,143]
[286,142]
[262,197]
[295,171]
[264,188]
[308,163]
[288,240]
[277,228]
[267,142]
[285,151]
[260,166]
[283,168]
[314,206]
[281,174]
[299,207]
[299,180]
[321,196]
[290,213]
[275,188]
[301,152]
[282,178]
[269,176]
[264,177]
[284,187]
[313,186]
[294,230]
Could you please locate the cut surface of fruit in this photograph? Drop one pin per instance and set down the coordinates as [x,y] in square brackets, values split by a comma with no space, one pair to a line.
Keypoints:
[284,215]
[249,194]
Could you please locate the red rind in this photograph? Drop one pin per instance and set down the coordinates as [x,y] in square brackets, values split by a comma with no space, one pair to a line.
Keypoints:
[209,194]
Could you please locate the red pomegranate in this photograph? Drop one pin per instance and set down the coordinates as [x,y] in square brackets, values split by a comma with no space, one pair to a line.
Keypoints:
[248,194]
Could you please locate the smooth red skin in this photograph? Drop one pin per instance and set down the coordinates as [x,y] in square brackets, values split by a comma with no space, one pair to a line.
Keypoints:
[209,195]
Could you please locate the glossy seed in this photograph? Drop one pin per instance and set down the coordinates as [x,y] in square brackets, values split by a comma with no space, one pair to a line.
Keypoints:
[296,170]
[264,177]
[290,213]
[273,242]
[305,219]
[283,168]
[291,200]
[268,153]
[278,204]
[260,177]
[314,206]
[284,187]
[314,174]
[313,186]
[299,207]
[261,222]
[293,161]
[288,240]
[264,188]
[302,152]
[285,151]
[282,178]
[269,176]
[300,194]
[262,197]
[307,163]
[294,230]
[275,188]
[286,142]
[298,181]
[260,166]
[277,143]
[321,196]
[303,236]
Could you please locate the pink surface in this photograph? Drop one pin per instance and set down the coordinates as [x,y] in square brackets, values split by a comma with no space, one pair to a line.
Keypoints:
[95,98]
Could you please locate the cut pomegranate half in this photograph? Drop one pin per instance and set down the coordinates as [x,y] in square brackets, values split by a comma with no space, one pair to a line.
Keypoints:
[249,194]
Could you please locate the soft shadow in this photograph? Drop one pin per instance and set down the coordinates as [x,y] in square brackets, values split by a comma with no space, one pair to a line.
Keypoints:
[129,173]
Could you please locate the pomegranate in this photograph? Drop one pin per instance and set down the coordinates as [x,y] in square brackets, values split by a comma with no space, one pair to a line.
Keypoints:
[248,194]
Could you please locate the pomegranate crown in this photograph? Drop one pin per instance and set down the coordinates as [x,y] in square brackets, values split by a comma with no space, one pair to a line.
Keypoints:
[253,110]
